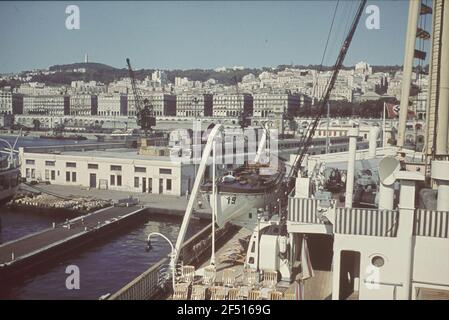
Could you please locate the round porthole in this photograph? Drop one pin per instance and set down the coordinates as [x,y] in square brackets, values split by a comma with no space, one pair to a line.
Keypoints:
[377,261]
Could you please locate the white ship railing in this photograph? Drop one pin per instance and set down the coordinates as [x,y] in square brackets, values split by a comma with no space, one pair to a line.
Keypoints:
[368,222]
[431,223]
[147,285]
[305,210]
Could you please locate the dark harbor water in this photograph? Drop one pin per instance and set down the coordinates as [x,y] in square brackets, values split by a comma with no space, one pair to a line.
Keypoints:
[105,266]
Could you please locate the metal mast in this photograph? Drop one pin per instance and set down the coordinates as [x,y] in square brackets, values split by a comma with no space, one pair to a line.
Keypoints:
[307,140]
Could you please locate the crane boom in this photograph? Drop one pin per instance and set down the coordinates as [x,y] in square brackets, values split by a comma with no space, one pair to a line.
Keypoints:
[144,110]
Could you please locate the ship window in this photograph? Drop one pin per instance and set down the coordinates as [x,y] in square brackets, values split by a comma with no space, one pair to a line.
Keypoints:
[377,261]
[29,161]
[70,164]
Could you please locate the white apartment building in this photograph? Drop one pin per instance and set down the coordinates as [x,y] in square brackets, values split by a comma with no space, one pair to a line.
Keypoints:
[194,105]
[37,88]
[232,104]
[52,105]
[163,104]
[113,169]
[275,103]
[159,77]
[84,87]
[112,104]
[83,105]
[11,103]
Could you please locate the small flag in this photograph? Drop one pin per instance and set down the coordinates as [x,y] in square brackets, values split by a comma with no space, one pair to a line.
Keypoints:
[393,111]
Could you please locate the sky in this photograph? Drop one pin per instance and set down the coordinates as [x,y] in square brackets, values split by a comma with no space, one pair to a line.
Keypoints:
[191,34]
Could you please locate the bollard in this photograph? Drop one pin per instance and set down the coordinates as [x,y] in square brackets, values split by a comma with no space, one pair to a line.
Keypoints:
[12,256]
[54,225]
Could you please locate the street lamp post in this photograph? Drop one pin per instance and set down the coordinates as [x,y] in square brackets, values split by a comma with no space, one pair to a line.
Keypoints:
[172,254]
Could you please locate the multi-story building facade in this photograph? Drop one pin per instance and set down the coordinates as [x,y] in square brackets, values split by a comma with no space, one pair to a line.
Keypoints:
[112,169]
[232,105]
[164,104]
[112,104]
[11,103]
[275,103]
[83,105]
[91,87]
[52,105]
[194,105]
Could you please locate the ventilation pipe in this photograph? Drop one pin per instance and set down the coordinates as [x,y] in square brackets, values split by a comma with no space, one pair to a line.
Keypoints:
[388,166]
[440,173]
[443,100]
[353,133]
[373,135]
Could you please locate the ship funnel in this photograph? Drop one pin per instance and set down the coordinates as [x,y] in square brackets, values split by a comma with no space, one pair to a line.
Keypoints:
[387,168]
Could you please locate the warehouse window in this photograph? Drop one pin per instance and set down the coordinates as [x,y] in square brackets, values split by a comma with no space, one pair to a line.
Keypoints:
[28,161]
[70,164]
[119,180]
[164,171]
[50,163]
[116,168]
[67,176]
[112,180]
[73,176]
[92,166]
[136,182]
[140,169]
[168,184]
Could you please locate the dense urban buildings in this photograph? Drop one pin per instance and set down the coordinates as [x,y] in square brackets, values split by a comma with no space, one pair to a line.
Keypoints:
[271,92]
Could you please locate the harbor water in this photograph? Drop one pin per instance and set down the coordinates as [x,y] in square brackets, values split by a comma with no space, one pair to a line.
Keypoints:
[105,266]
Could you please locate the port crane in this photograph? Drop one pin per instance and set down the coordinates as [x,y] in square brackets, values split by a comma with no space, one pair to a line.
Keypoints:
[144,109]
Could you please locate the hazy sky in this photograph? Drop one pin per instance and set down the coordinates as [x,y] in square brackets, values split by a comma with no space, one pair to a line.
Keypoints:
[191,34]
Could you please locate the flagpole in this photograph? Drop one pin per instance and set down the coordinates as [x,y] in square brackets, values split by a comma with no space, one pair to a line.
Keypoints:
[383,132]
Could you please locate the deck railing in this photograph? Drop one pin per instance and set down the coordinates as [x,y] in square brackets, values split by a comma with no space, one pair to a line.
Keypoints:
[305,210]
[146,285]
[431,223]
[368,222]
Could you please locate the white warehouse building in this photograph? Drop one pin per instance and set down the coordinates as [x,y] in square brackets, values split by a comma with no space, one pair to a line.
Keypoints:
[118,169]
